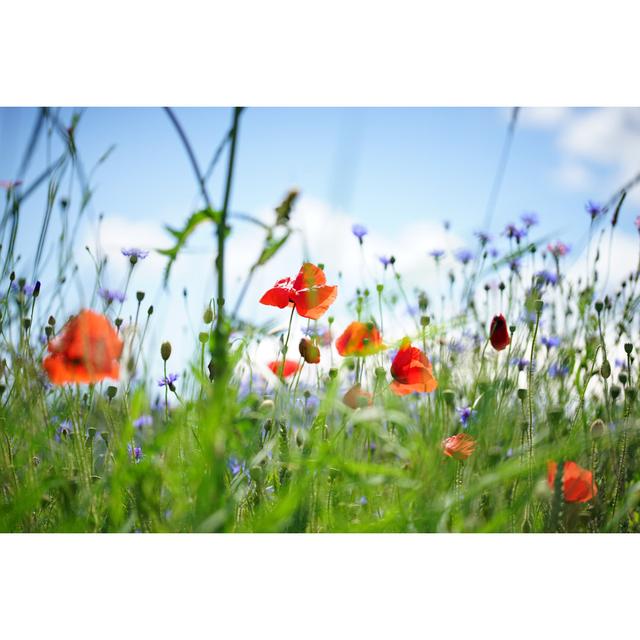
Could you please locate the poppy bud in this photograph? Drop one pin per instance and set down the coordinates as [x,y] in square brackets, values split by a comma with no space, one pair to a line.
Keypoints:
[12,277]
[165,350]
[26,323]
[356,398]
[622,376]
[52,321]
[333,373]
[597,428]
[309,351]
[207,316]
[48,331]
[628,348]
[111,392]
[203,336]
[118,322]
[522,394]
[139,296]
[266,405]
[605,369]
[631,393]
[498,333]
[424,321]
[36,289]
[599,306]
[539,304]
[615,391]
[150,310]
[449,397]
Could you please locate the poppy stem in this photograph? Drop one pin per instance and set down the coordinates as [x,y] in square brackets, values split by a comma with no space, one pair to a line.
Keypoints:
[285,346]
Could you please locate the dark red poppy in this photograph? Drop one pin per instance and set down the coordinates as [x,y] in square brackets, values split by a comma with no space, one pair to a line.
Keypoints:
[460,446]
[411,371]
[289,368]
[309,293]
[577,483]
[356,398]
[499,333]
[359,339]
[87,350]
[309,351]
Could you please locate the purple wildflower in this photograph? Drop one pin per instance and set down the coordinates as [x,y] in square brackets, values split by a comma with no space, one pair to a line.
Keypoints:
[8,185]
[511,231]
[593,209]
[558,249]
[546,277]
[514,265]
[436,254]
[558,370]
[484,237]
[529,219]
[64,430]
[464,256]
[359,232]
[465,414]
[135,453]
[550,341]
[143,421]
[363,501]
[111,295]
[24,288]
[637,223]
[168,380]
[385,261]
[133,252]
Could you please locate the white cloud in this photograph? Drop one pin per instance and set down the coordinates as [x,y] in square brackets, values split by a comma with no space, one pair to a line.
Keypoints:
[544,117]
[604,138]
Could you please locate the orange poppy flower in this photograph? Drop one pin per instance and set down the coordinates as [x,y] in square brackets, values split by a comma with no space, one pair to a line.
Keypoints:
[577,483]
[309,293]
[411,371]
[459,447]
[499,333]
[309,351]
[87,350]
[359,339]
[290,367]
[356,398]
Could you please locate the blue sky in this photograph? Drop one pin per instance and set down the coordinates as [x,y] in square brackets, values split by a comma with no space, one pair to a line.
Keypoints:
[400,172]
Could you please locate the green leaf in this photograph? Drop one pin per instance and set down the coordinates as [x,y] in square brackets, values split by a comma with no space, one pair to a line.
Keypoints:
[182,235]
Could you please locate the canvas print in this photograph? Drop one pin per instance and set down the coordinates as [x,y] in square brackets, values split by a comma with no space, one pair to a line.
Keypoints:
[319,320]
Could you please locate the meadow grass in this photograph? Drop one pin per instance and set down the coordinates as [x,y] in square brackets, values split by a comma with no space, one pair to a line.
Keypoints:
[220,449]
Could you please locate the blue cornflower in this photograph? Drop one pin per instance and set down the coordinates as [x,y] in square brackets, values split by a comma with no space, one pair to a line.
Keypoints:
[547,277]
[456,346]
[359,232]
[363,501]
[385,261]
[493,252]
[620,363]
[464,255]
[139,254]
[509,452]
[111,295]
[135,453]
[25,289]
[465,414]
[64,430]
[521,363]
[558,370]
[550,341]
[593,209]
[484,237]
[511,231]
[436,254]
[514,265]
[529,219]
[143,421]
[168,380]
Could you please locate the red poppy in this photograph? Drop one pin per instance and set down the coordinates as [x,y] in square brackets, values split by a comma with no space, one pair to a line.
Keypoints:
[460,446]
[309,351]
[290,367]
[359,339]
[411,371]
[87,350]
[577,483]
[499,333]
[356,398]
[309,292]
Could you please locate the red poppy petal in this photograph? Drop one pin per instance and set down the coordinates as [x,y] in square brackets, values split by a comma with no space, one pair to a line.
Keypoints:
[309,276]
[313,303]
[279,295]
